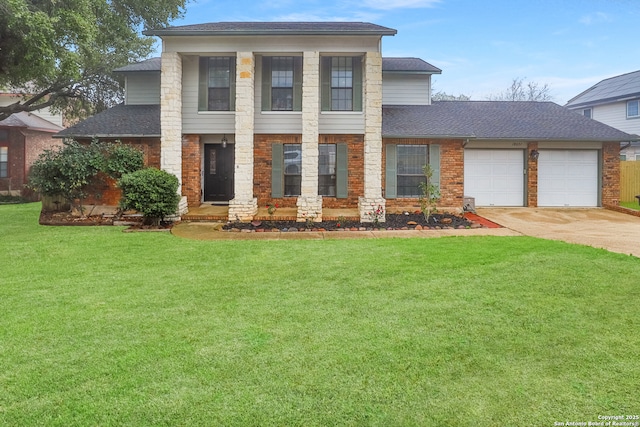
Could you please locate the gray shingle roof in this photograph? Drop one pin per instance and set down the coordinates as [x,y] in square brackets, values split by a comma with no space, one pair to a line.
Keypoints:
[151,64]
[609,90]
[535,121]
[412,65]
[120,121]
[30,121]
[274,28]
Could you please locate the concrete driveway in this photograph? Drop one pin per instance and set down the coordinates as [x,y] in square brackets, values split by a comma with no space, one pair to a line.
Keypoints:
[600,228]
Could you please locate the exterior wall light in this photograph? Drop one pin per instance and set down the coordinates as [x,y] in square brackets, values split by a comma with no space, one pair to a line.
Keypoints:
[534,155]
[224,141]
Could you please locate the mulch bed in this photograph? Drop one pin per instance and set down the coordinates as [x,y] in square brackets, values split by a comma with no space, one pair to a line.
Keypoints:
[406,221]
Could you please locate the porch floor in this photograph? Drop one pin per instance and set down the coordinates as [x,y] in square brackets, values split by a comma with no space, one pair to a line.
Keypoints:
[209,212]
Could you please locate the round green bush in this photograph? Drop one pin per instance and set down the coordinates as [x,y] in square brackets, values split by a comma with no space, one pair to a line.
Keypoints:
[152,192]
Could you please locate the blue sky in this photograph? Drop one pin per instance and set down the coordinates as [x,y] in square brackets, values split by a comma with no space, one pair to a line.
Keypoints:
[480,45]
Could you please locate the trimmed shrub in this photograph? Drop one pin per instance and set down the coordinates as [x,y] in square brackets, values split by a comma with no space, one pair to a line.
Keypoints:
[73,170]
[152,192]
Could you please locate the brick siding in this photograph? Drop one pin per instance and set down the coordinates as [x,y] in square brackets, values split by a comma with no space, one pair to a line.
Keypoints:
[192,169]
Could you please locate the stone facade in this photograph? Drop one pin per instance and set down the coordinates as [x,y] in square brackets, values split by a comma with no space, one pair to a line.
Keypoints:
[372,199]
[244,206]
[171,114]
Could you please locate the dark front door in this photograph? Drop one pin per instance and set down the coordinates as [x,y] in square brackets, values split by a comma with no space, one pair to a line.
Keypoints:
[218,172]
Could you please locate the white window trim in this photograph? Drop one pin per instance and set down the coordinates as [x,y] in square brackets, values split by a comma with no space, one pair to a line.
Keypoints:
[627,109]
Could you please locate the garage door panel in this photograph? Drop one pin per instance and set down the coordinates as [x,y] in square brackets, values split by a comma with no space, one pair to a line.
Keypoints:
[568,178]
[494,177]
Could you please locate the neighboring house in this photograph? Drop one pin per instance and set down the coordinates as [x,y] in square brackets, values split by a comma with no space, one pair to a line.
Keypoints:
[615,102]
[310,115]
[23,137]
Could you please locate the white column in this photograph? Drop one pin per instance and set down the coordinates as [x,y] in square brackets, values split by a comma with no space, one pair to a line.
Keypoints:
[372,199]
[244,206]
[309,203]
[171,115]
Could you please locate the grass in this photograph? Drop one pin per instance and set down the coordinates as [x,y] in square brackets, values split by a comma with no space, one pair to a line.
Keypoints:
[630,205]
[100,327]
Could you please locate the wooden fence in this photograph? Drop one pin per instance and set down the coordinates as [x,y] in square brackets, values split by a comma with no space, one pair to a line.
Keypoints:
[629,180]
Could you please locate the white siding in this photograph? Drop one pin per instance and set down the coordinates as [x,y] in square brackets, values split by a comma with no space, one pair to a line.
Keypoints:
[406,89]
[339,123]
[192,120]
[142,88]
[615,115]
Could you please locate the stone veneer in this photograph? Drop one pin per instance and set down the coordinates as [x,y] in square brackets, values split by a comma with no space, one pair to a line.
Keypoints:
[372,199]
[244,206]
[309,203]
[171,114]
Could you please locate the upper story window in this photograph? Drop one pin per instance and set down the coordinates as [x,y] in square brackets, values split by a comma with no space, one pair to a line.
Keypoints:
[341,83]
[282,83]
[587,113]
[217,83]
[633,108]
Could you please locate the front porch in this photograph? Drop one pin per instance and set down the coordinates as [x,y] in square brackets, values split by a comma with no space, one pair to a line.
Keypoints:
[209,212]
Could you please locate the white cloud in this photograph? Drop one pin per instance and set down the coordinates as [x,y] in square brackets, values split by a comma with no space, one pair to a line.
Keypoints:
[596,18]
[399,4]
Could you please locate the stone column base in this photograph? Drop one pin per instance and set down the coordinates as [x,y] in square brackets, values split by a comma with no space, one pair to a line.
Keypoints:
[243,210]
[309,208]
[370,209]
[183,208]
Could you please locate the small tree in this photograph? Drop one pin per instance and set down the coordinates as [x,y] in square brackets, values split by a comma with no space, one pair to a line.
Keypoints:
[152,192]
[430,193]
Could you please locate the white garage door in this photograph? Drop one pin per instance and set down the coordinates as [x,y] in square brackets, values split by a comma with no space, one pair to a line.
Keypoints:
[494,177]
[568,178]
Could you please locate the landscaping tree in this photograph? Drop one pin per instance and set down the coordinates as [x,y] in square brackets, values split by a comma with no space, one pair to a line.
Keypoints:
[61,53]
[72,170]
[152,192]
[524,91]
[430,193]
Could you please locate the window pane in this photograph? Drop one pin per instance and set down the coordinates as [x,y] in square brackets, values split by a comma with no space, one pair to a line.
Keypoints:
[282,99]
[282,71]
[219,99]
[327,170]
[219,69]
[587,113]
[411,161]
[342,83]
[632,109]
[292,169]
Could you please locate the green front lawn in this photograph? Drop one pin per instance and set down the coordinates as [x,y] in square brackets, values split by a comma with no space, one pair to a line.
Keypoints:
[104,328]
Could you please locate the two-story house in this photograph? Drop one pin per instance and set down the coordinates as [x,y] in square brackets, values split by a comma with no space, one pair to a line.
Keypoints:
[616,102]
[23,137]
[311,116]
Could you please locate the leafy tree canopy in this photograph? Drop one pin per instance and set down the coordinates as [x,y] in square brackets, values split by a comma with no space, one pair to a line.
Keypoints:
[61,53]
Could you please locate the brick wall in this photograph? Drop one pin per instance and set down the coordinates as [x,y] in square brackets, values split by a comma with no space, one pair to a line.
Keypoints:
[610,174]
[15,168]
[532,177]
[191,169]
[262,169]
[109,194]
[451,173]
